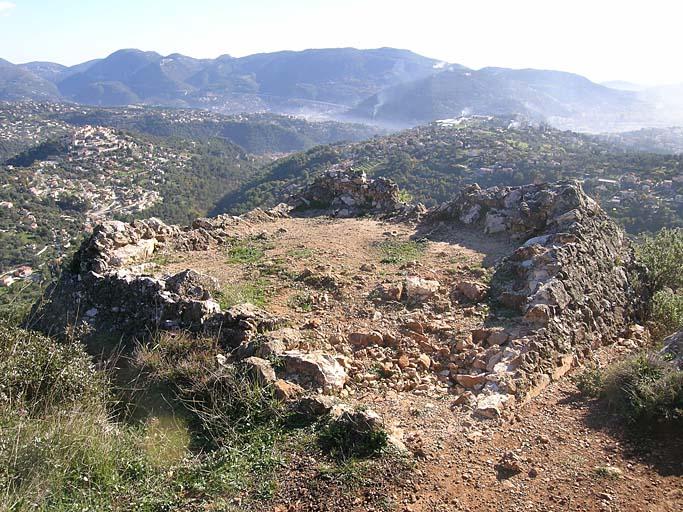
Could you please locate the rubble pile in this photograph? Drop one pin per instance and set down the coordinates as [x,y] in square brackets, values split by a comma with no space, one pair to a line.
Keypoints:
[346,193]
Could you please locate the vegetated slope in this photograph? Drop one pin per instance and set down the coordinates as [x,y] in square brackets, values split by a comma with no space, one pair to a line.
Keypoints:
[256,133]
[431,162]
[67,168]
[53,192]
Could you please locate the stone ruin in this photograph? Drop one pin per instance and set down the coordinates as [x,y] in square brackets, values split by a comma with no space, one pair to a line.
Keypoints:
[109,286]
[565,290]
[348,193]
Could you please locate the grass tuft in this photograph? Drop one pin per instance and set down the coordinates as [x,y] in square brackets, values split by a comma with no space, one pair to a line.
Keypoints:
[398,252]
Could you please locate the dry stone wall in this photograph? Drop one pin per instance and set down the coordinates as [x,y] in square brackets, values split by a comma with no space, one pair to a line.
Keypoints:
[563,292]
[109,287]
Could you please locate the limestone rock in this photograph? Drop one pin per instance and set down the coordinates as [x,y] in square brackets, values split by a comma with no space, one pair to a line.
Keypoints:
[470,381]
[314,370]
[493,406]
[192,284]
[260,369]
[419,289]
[363,339]
[472,290]
[286,391]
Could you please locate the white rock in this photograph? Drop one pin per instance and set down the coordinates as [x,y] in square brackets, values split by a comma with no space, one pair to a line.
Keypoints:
[420,289]
[492,406]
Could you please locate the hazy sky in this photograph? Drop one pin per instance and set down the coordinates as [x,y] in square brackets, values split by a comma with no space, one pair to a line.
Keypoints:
[631,40]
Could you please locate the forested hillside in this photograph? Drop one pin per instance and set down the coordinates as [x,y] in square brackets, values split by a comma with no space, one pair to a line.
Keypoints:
[641,190]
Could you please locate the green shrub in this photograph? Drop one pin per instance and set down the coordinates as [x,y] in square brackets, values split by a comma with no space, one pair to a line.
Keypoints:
[352,436]
[244,253]
[398,252]
[37,372]
[662,255]
[589,382]
[666,313]
[301,302]
[643,389]
[231,408]
[221,402]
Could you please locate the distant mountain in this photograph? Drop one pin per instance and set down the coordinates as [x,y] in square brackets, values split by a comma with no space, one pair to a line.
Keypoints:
[342,77]
[17,83]
[49,71]
[457,91]
[387,86]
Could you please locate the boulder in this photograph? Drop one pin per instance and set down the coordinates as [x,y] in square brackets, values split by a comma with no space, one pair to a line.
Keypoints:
[192,284]
[314,370]
[471,290]
[470,381]
[363,339]
[260,370]
[419,289]
[493,406]
[313,407]
[285,391]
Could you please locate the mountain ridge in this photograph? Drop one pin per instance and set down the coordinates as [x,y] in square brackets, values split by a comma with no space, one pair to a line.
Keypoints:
[385,86]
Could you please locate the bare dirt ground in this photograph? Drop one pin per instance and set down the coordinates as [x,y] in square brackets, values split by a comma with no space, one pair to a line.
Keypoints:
[562,451]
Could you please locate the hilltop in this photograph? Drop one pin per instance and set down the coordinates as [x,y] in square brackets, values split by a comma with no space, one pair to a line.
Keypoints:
[438,337]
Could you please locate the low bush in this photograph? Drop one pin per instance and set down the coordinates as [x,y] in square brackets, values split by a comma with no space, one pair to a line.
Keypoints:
[643,389]
[352,435]
[37,373]
[666,313]
[223,404]
[662,255]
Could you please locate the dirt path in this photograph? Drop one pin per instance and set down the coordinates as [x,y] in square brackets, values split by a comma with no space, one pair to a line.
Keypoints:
[565,449]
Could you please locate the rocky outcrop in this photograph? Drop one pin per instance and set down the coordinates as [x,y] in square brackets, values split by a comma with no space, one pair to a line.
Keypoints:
[346,193]
[566,289]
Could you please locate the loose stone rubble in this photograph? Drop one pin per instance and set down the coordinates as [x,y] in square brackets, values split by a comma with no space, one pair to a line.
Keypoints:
[347,193]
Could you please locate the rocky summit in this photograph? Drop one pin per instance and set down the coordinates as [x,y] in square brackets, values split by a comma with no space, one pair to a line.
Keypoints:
[488,297]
